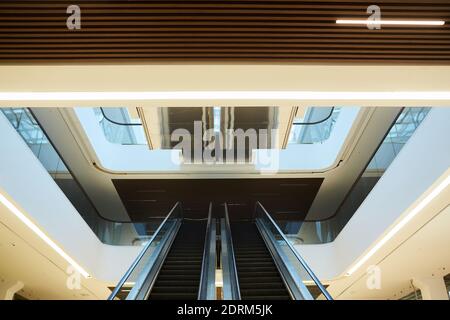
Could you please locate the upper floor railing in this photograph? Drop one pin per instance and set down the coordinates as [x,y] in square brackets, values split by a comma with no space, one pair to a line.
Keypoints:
[322,231]
[108,231]
[119,128]
[315,126]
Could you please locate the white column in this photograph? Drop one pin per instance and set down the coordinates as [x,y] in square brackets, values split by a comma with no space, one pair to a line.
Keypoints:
[432,288]
[9,288]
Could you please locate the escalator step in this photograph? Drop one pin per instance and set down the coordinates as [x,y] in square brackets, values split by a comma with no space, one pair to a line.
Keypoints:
[188,289]
[252,258]
[177,266]
[256,269]
[265,284]
[248,281]
[257,263]
[263,292]
[258,275]
[179,276]
[189,277]
[173,296]
[177,283]
[179,260]
[269,297]
[173,273]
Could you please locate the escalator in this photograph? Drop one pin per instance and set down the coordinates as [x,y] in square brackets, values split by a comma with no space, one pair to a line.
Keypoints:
[260,263]
[178,262]
[179,276]
[258,275]
[256,259]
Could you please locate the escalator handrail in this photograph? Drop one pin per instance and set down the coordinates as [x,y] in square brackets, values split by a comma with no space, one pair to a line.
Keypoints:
[297,255]
[141,254]
[208,262]
[232,256]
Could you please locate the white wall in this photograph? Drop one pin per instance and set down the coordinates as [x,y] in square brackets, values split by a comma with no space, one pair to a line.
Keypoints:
[423,162]
[26,183]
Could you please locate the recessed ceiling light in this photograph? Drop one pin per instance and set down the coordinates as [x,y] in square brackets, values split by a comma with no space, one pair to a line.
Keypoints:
[224,95]
[397,227]
[393,22]
[30,224]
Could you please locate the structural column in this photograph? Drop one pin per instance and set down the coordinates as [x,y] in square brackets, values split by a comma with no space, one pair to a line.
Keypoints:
[9,288]
[432,288]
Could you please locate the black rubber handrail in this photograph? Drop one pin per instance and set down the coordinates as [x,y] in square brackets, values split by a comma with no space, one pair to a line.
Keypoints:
[116,122]
[315,122]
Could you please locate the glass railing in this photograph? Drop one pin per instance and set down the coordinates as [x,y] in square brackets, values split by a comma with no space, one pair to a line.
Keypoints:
[108,231]
[404,127]
[315,126]
[302,282]
[119,127]
[315,232]
[125,233]
[137,281]
[23,121]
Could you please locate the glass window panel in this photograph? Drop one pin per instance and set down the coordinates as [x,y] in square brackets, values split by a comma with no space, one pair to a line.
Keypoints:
[315,126]
[119,127]
[313,232]
[114,233]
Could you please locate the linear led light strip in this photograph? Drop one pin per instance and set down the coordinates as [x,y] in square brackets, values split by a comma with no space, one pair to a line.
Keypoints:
[422,204]
[393,22]
[42,235]
[224,95]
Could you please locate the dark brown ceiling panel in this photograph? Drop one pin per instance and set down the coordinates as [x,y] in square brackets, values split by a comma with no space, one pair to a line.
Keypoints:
[221,31]
[287,198]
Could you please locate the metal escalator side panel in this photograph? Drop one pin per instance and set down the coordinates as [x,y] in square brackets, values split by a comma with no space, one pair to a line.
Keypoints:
[231,290]
[148,276]
[293,283]
[207,288]
[289,259]
[147,256]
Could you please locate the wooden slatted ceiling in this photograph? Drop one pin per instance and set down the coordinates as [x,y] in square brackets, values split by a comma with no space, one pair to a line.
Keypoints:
[222,30]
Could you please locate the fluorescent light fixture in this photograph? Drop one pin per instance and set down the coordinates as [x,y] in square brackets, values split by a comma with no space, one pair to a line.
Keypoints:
[8,204]
[216,119]
[219,278]
[224,95]
[393,22]
[422,204]
[129,284]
